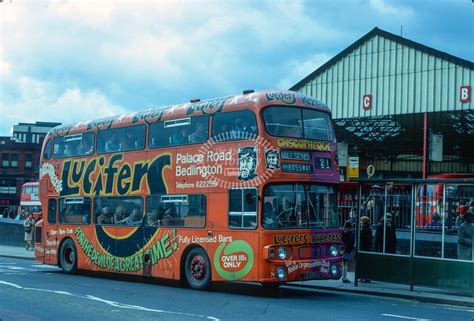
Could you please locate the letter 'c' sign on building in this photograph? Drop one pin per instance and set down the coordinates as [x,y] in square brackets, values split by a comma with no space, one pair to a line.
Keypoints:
[367,102]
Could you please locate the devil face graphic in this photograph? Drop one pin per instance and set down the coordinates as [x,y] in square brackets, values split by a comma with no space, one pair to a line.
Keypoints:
[247,162]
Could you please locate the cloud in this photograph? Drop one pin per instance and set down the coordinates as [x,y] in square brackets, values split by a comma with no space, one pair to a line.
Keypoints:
[128,55]
[389,9]
[38,102]
[301,69]
[5,68]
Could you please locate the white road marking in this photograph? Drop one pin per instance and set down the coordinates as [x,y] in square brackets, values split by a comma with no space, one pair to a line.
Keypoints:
[111,303]
[404,317]
[40,266]
[458,309]
[14,268]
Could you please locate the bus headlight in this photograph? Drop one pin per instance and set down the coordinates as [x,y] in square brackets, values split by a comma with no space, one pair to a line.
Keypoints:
[282,253]
[281,273]
[333,250]
[333,270]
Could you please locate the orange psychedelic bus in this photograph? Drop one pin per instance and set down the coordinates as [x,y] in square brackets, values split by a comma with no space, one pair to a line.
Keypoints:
[234,188]
[29,200]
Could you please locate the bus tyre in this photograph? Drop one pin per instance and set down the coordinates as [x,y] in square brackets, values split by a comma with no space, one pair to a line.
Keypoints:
[197,269]
[68,257]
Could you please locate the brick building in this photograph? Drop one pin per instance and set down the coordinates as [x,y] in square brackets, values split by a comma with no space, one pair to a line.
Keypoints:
[19,160]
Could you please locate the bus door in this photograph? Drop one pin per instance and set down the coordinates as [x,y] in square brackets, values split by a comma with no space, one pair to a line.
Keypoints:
[49,235]
[238,244]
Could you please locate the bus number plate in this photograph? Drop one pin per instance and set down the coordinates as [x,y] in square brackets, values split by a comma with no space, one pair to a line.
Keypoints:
[323,163]
[297,168]
[293,155]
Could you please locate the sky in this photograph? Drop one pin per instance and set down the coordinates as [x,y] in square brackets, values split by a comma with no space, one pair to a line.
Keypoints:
[69,61]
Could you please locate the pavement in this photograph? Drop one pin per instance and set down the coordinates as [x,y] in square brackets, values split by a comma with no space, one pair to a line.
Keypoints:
[374,288]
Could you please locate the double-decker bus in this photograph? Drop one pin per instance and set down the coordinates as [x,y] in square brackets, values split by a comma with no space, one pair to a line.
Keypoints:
[234,188]
[29,200]
[456,198]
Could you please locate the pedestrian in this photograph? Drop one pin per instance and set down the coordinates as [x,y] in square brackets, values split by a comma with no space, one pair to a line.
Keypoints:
[465,238]
[365,234]
[386,232]
[348,239]
[365,243]
[29,225]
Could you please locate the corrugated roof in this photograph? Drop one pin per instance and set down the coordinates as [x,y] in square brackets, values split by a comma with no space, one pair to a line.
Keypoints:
[379,32]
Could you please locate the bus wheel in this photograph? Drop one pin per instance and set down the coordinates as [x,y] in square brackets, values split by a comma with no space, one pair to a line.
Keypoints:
[198,269]
[68,257]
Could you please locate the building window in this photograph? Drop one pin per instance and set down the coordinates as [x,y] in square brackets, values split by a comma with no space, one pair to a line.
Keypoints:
[14,160]
[28,161]
[5,160]
[7,186]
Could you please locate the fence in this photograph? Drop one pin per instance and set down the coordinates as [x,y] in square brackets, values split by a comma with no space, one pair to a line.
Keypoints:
[11,232]
[415,227]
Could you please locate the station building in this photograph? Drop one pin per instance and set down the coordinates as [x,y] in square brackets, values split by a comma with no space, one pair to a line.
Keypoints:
[405,112]
[392,100]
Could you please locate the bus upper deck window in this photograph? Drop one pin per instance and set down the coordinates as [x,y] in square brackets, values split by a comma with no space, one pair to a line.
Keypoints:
[121,139]
[237,125]
[176,132]
[73,145]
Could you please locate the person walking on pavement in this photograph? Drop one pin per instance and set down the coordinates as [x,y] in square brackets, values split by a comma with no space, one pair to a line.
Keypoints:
[348,239]
[465,238]
[29,225]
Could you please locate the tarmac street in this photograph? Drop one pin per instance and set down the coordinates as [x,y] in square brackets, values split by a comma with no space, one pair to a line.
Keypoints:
[30,291]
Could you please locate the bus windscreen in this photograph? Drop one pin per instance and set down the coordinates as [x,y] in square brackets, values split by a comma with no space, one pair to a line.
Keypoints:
[299,206]
[298,123]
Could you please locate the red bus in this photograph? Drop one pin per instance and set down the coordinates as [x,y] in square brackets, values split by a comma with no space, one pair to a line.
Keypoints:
[234,188]
[29,200]
[437,201]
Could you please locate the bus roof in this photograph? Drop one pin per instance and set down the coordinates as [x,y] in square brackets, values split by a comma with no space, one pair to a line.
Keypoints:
[251,100]
[31,184]
[451,175]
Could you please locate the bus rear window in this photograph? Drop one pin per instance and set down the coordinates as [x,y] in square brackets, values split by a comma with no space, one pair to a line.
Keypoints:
[298,123]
